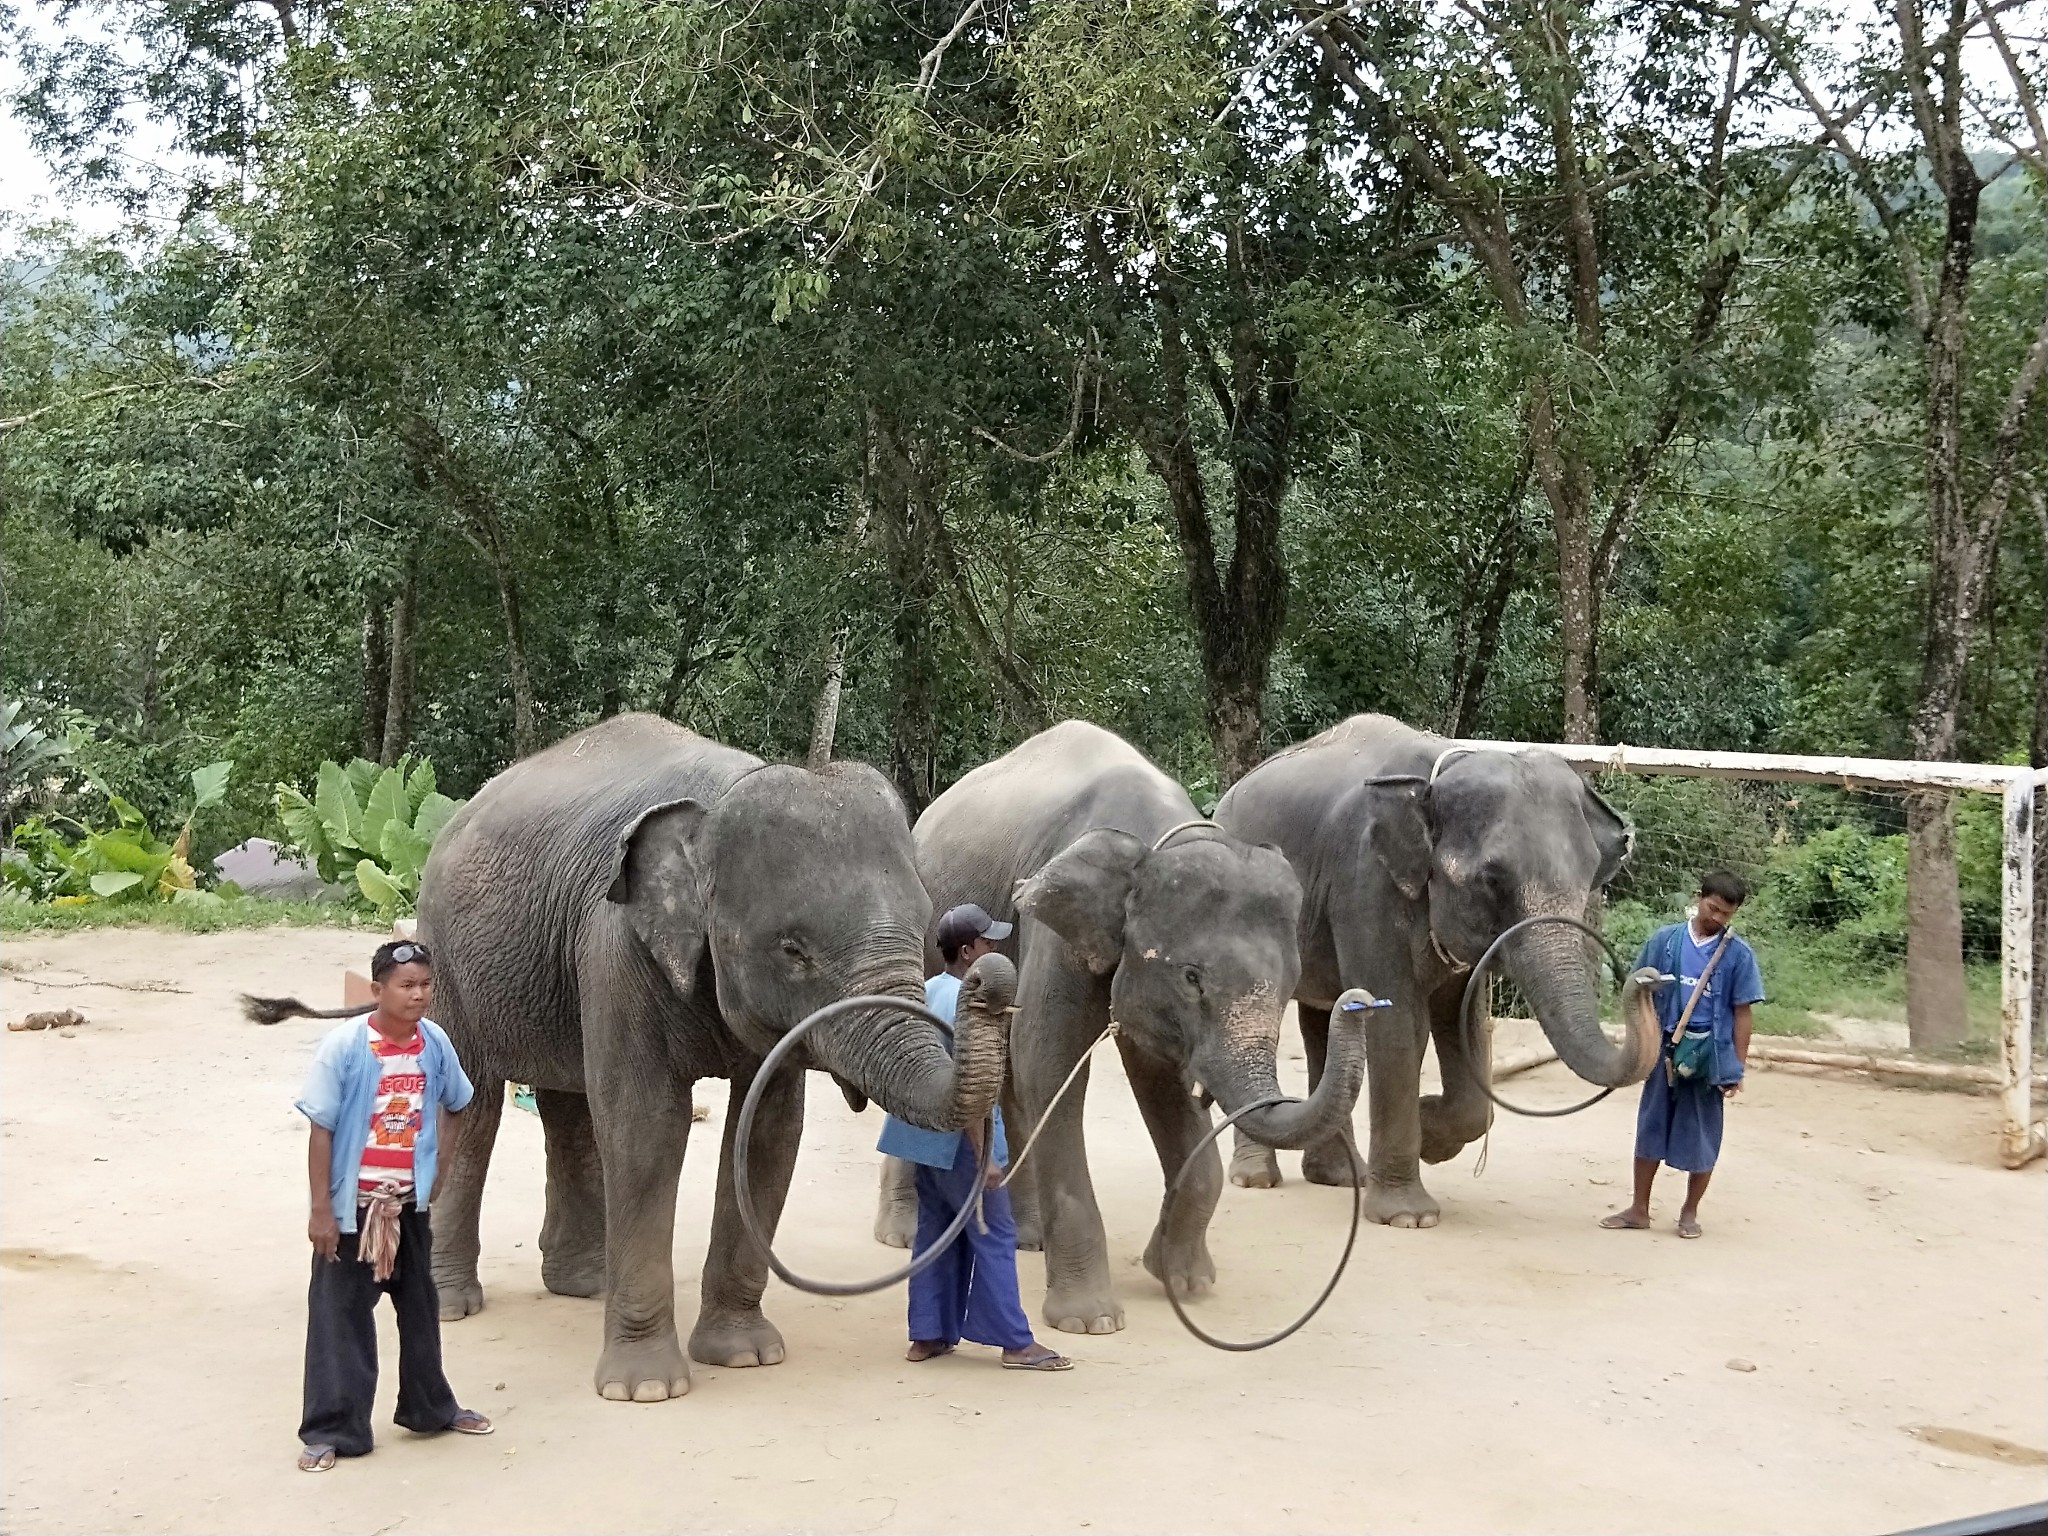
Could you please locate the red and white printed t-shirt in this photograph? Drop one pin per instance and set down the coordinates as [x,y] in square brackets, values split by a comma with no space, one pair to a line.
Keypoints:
[394,1114]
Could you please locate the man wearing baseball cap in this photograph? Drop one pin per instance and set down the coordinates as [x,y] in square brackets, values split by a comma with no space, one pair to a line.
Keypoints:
[971,1291]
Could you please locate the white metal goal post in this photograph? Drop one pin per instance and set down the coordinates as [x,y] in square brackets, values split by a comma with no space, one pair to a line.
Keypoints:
[2022,1137]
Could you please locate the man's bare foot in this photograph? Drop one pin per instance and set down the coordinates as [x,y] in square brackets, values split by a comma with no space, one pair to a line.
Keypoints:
[1688,1226]
[1628,1220]
[926,1349]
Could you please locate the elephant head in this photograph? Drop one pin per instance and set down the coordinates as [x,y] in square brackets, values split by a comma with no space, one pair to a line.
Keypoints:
[1498,837]
[1200,937]
[797,889]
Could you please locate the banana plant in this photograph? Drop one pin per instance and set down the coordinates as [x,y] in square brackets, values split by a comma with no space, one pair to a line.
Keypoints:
[379,822]
[124,862]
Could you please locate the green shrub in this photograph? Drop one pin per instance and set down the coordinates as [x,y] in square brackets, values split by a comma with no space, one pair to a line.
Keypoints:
[124,862]
[380,821]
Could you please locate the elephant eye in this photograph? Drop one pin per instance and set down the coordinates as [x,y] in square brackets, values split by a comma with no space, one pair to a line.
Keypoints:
[795,952]
[1192,975]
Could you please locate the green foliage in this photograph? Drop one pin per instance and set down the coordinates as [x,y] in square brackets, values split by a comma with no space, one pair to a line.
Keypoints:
[379,823]
[123,862]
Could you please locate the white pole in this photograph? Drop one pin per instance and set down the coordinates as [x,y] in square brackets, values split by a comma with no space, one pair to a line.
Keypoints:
[2021,1140]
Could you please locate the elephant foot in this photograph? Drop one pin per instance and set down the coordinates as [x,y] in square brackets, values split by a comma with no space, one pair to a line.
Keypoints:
[566,1276]
[1077,1310]
[1447,1132]
[896,1225]
[736,1339]
[460,1295]
[642,1370]
[1325,1163]
[1254,1167]
[1400,1205]
[1187,1274]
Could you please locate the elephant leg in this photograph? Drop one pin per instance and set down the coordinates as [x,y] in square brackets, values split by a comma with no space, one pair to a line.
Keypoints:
[1394,1194]
[1324,1162]
[572,1233]
[896,1210]
[1178,1253]
[1066,1012]
[731,1329]
[458,1200]
[641,1112]
[1024,1189]
[1459,1115]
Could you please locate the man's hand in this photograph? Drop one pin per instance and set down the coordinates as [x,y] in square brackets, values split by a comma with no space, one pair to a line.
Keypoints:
[325,1233]
[993,1179]
[1729,1090]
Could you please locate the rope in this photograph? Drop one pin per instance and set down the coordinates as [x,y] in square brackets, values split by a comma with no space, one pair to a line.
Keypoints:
[1032,1140]
[1478,1053]
[1186,826]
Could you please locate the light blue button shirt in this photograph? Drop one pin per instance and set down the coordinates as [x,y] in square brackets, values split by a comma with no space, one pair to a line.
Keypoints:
[341,1092]
[935,1149]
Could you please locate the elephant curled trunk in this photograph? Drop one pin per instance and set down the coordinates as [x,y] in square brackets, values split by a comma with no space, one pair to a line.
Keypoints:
[1551,967]
[902,1063]
[1240,1071]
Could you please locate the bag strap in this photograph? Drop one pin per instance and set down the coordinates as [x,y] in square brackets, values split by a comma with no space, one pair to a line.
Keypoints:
[1698,989]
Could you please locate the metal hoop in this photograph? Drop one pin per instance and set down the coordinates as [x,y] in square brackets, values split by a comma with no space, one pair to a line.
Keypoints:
[1351,1241]
[1469,1020]
[743,1135]
[1186,826]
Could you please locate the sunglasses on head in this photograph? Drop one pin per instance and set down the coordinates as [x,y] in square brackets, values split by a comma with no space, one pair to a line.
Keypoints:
[406,954]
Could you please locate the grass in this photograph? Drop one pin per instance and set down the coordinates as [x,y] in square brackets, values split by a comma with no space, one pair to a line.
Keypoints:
[1806,980]
[20,918]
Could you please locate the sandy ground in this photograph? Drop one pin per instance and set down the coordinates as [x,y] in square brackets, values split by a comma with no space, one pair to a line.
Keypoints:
[1514,1369]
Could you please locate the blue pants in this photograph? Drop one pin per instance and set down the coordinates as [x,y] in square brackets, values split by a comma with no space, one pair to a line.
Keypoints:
[1679,1125]
[971,1292]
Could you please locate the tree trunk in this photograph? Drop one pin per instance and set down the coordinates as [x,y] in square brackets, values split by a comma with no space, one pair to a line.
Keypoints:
[525,716]
[610,665]
[1936,998]
[1020,694]
[901,498]
[398,693]
[2037,755]
[376,680]
[1478,641]
[825,714]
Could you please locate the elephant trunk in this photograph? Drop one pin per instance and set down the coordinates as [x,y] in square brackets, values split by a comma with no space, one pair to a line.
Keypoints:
[902,1063]
[1239,1070]
[1551,967]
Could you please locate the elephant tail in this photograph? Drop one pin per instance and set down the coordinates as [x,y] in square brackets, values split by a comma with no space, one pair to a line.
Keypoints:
[275,1010]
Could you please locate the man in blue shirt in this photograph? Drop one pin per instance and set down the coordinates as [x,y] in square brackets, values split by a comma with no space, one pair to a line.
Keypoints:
[1679,1122]
[970,1292]
[379,1098]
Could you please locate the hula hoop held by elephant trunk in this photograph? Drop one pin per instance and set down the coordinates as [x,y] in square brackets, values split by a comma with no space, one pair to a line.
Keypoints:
[1129,906]
[1416,856]
[635,908]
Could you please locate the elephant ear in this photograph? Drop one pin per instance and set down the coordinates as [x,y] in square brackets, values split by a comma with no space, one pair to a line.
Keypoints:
[658,878]
[1080,895]
[1613,835]
[1399,832]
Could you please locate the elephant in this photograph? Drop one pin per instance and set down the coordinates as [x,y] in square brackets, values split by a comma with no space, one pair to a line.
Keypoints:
[1415,856]
[637,907]
[1131,907]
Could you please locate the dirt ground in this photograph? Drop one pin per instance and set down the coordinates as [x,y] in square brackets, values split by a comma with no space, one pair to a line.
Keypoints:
[1514,1369]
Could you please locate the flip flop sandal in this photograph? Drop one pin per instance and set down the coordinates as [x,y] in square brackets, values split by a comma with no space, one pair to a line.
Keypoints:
[1044,1363]
[317,1458]
[1688,1229]
[469,1422]
[1615,1223]
[943,1349]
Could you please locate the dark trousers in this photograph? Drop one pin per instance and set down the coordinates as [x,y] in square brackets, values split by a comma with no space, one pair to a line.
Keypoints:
[971,1292]
[341,1343]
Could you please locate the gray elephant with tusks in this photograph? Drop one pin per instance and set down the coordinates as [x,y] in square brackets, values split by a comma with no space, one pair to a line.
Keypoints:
[635,908]
[1135,909]
[1415,857]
